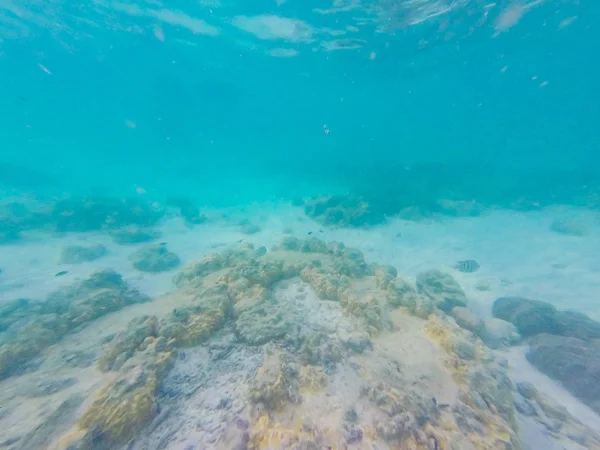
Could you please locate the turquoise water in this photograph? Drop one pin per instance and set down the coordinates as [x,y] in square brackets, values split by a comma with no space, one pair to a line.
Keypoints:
[175,182]
[218,106]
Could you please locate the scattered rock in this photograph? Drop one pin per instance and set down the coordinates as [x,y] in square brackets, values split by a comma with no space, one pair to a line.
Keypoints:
[531,317]
[154,258]
[134,235]
[343,210]
[250,228]
[30,327]
[467,319]
[77,254]
[573,362]
[498,333]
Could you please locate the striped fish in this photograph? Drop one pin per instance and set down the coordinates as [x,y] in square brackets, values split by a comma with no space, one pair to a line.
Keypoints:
[467,266]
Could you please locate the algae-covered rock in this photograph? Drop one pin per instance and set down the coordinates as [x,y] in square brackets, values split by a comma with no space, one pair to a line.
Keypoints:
[275,383]
[191,325]
[327,285]
[384,275]
[124,344]
[264,322]
[400,292]
[134,235]
[440,287]
[192,273]
[154,258]
[31,327]
[343,210]
[77,254]
[498,333]
[103,292]
[124,407]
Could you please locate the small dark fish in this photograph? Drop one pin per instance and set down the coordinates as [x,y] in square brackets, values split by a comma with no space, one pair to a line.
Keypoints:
[434,400]
[320,231]
[309,233]
[240,241]
[398,234]
[467,266]
[163,243]
[61,273]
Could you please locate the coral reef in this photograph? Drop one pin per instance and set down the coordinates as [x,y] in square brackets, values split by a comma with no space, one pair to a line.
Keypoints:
[77,254]
[154,258]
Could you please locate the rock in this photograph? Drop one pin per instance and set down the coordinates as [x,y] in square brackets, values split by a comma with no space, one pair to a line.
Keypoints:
[124,345]
[250,228]
[122,409]
[133,235]
[527,390]
[442,289]
[64,311]
[578,325]
[154,258]
[343,210]
[264,322]
[467,319]
[573,362]
[77,254]
[531,317]
[569,227]
[498,333]
[206,313]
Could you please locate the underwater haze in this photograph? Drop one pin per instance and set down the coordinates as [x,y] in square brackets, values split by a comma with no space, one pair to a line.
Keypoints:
[283,224]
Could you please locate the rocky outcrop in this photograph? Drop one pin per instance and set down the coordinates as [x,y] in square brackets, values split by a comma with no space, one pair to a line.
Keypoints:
[154,258]
[573,362]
